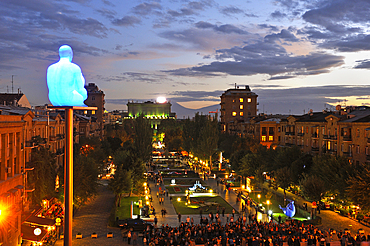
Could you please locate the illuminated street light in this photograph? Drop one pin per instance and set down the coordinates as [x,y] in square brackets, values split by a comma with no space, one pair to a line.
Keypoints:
[268,204]
[179,199]
[259,197]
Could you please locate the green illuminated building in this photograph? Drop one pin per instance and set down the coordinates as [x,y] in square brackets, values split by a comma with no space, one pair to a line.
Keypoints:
[154,111]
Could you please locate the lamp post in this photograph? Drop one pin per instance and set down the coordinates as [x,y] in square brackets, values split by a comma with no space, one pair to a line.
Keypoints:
[268,204]
[259,197]
[37,232]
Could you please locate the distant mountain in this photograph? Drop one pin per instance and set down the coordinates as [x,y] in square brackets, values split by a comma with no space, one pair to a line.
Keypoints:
[183,113]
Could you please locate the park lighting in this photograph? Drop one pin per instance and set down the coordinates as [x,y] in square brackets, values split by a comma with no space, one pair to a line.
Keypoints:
[226,176]
[269,212]
[210,191]
[268,204]
[145,184]
[243,187]
[179,199]
[146,197]
[308,217]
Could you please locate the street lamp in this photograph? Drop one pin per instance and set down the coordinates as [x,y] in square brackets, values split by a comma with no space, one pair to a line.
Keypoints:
[268,204]
[37,233]
[259,197]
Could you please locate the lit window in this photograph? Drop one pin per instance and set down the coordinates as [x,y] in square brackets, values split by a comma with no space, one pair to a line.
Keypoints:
[241,107]
[234,113]
[263,138]
[241,113]
[249,100]
[241,100]
[271,138]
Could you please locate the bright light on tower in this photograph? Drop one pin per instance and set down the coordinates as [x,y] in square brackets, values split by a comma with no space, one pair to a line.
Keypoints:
[161,100]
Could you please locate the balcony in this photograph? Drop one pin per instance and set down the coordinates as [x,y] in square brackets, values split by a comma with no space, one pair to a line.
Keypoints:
[60,136]
[300,134]
[347,139]
[316,149]
[290,133]
[52,138]
[346,153]
[326,137]
[315,135]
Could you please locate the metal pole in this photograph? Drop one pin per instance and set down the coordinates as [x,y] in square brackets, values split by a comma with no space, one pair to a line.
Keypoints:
[68,178]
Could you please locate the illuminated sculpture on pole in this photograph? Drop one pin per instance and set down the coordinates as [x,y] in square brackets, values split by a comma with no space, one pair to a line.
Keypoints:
[66,91]
[289,210]
[65,81]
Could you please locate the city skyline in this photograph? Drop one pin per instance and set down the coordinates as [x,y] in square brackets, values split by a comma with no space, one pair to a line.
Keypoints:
[295,55]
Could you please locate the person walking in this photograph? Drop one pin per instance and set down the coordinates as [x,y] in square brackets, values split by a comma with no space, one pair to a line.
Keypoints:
[129,237]
[134,239]
[179,216]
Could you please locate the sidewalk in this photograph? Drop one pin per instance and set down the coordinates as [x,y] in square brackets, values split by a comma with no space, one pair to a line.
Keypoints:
[93,217]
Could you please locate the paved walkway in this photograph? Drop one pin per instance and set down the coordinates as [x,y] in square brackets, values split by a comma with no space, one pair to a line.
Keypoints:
[93,217]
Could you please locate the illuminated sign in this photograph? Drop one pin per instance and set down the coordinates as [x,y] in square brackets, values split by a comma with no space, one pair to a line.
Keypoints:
[65,81]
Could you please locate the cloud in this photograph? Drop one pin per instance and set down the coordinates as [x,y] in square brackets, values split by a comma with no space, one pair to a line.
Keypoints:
[263,58]
[182,12]
[233,10]
[147,8]
[284,34]
[128,20]
[364,64]
[227,28]
[278,15]
[150,78]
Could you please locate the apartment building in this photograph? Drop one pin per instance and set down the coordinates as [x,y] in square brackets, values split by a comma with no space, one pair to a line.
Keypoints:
[237,106]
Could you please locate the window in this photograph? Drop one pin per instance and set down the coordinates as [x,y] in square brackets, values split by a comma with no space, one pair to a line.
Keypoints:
[307,129]
[271,138]
[357,133]
[234,113]
[249,100]
[241,114]
[358,149]
[263,138]
[241,100]
[241,107]
[367,150]
[93,98]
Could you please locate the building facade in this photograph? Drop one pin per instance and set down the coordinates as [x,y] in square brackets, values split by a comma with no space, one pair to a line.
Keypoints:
[237,105]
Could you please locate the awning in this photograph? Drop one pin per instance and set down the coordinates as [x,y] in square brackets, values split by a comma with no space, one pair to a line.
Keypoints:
[39,221]
[367,129]
[28,234]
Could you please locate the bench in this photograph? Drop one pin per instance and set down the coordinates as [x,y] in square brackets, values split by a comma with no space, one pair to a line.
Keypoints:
[79,236]
[94,235]
[110,235]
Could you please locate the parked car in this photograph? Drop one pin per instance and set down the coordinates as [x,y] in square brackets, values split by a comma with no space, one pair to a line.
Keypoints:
[134,224]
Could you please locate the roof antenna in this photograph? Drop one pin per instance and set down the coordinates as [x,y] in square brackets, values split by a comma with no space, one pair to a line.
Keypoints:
[12,83]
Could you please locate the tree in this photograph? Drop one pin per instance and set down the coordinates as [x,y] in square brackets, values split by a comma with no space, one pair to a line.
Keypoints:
[313,187]
[121,183]
[209,139]
[143,138]
[334,171]
[283,178]
[358,189]
[43,177]
[85,177]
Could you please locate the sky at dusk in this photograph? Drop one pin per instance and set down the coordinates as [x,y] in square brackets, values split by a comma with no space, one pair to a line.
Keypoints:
[295,54]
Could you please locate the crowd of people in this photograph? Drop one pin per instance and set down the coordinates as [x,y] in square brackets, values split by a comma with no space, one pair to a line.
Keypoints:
[241,233]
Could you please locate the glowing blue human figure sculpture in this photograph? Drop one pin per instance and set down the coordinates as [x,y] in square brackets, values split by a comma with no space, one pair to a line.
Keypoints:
[65,81]
[289,210]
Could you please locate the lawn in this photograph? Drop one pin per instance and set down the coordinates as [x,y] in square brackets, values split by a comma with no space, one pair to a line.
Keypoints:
[180,189]
[123,212]
[206,203]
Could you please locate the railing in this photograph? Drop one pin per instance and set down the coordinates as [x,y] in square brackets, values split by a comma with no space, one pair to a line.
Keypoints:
[347,138]
[315,148]
[60,136]
[347,153]
[315,135]
[300,134]
[52,138]
[290,133]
